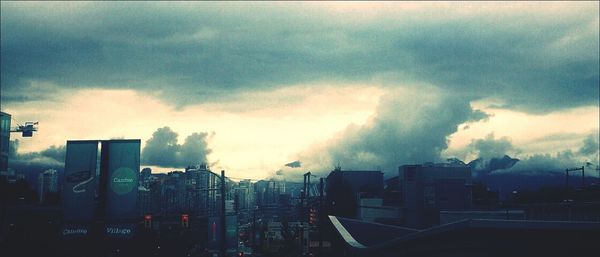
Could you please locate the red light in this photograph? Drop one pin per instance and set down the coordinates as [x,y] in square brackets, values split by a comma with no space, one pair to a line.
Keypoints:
[147,221]
[184,220]
[214,231]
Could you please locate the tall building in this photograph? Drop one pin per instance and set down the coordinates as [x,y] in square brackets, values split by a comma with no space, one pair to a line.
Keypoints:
[174,194]
[244,199]
[429,188]
[267,192]
[202,189]
[344,188]
[145,175]
[47,183]
[4,141]
[149,192]
[244,195]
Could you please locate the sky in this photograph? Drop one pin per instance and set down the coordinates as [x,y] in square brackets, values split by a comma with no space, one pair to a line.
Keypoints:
[252,86]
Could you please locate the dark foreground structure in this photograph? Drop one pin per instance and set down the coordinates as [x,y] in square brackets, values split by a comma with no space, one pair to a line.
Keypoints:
[468,238]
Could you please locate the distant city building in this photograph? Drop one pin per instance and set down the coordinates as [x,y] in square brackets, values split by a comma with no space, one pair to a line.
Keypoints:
[174,194]
[428,188]
[244,199]
[194,192]
[4,142]
[202,189]
[344,187]
[145,174]
[47,183]
[149,192]
[268,191]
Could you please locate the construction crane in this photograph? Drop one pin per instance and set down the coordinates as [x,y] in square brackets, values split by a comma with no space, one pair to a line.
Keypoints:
[26,129]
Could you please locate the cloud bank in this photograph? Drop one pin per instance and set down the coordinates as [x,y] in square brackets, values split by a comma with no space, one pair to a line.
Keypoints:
[188,53]
[409,126]
[163,150]
[493,158]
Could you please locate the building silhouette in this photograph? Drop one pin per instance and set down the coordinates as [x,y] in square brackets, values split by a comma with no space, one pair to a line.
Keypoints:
[428,188]
[344,188]
[47,183]
[4,142]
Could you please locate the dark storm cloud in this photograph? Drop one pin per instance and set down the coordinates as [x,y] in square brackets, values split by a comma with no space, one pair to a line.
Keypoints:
[545,164]
[52,157]
[493,157]
[492,154]
[408,128]
[490,147]
[590,145]
[195,148]
[294,164]
[163,150]
[197,52]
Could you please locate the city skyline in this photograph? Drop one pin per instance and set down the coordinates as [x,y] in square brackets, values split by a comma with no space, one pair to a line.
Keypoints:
[363,85]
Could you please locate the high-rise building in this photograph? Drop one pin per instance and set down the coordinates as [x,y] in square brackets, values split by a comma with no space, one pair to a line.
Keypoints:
[202,189]
[47,183]
[4,141]
[174,193]
[244,199]
[267,192]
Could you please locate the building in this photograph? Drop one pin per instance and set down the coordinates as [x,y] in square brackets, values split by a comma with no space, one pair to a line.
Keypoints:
[374,210]
[202,189]
[47,183]
[344,188]
[244,200]
[466,238]
[267,192]
[428,188]
[195,192]
[145,175]
[4,142]
[174,200]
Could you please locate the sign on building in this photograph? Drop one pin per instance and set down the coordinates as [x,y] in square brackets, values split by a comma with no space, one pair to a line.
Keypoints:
[80,181]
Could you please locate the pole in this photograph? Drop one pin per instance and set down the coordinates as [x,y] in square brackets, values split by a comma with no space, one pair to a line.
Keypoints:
[308,194]
[223,223]
[302,197]
[308,186]
[321,214]
[567,179]
[254,231]
[582,177]
[582,169]
[302,216]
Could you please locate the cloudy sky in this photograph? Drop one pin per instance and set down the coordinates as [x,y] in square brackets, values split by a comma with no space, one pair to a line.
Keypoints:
[254,86]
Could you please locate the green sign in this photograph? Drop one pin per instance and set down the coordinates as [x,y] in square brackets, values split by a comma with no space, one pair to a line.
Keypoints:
[123,180]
